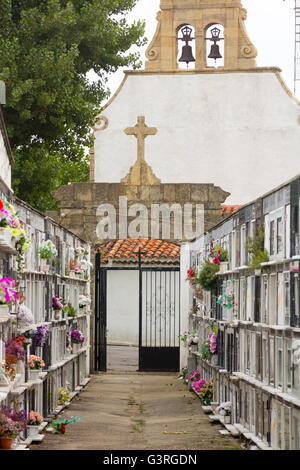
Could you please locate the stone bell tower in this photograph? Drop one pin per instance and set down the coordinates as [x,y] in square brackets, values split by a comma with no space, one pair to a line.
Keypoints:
[240,53]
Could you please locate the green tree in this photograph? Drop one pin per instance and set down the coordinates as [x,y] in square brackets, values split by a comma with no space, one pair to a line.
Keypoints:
[41,172]
[47,47]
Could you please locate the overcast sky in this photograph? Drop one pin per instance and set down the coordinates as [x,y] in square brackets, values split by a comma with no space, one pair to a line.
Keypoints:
[270,25]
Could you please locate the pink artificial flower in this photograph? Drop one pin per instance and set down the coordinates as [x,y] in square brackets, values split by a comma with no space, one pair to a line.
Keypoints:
[57,302]
[36,362]
[6,285]
[8,281]
[212,341]
[216,259]
[195,375]
[198,385]
[35,418]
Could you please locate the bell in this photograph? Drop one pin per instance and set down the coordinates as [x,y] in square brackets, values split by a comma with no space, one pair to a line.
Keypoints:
[215,52]
[187,54]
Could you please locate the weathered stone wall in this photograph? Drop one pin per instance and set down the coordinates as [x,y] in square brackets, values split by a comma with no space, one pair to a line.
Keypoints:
[79,202]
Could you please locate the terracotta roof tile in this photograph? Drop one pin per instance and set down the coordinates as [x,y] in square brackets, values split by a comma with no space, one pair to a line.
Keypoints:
[126,251]
[229,209]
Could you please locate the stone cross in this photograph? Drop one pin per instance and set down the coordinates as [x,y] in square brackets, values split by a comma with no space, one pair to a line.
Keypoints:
[141,132]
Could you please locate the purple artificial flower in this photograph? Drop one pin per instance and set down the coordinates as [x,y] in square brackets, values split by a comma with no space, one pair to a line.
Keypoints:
[19,418]
[77,337]
[40,335]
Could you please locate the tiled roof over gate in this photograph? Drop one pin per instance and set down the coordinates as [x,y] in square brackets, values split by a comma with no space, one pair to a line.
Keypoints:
[227,210]
[127,251]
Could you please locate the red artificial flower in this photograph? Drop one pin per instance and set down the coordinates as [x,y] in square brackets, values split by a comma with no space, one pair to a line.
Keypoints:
[1,204]
[21,341]
[63,428]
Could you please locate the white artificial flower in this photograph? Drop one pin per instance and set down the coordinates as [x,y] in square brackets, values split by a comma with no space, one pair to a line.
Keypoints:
[84,300]
[25,316]
[224,408]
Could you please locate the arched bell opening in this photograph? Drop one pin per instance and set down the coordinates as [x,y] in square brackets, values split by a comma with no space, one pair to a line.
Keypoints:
[215,47]
[186,56]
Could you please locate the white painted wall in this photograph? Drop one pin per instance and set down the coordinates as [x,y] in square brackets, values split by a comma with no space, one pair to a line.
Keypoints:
[236,130]
[123,307]
[5,167]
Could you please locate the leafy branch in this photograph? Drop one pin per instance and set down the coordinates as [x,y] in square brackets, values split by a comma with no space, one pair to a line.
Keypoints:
[257,251]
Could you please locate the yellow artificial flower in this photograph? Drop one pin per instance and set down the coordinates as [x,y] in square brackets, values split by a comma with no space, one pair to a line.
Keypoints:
[15,232]
[12,209]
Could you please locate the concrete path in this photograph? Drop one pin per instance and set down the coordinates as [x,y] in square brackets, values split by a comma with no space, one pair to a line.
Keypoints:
[138,411]
[122,358]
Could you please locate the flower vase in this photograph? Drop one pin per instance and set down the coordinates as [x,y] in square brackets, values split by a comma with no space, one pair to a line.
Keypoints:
[4,311]
[227,419]
[4,378]
[194,347]
[214,359]
[67,352]
[44,266]
[6,242]
[39,351]
[32,431]
[6,443]
[20,370]
[224,266]
[57,314]
[76,348]
[5,235]
[199,293]
[35,374]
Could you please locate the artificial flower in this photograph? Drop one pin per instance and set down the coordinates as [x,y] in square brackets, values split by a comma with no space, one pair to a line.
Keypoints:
[35,362]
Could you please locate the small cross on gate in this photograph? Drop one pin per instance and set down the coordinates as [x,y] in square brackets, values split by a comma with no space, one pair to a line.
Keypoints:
[141,131]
